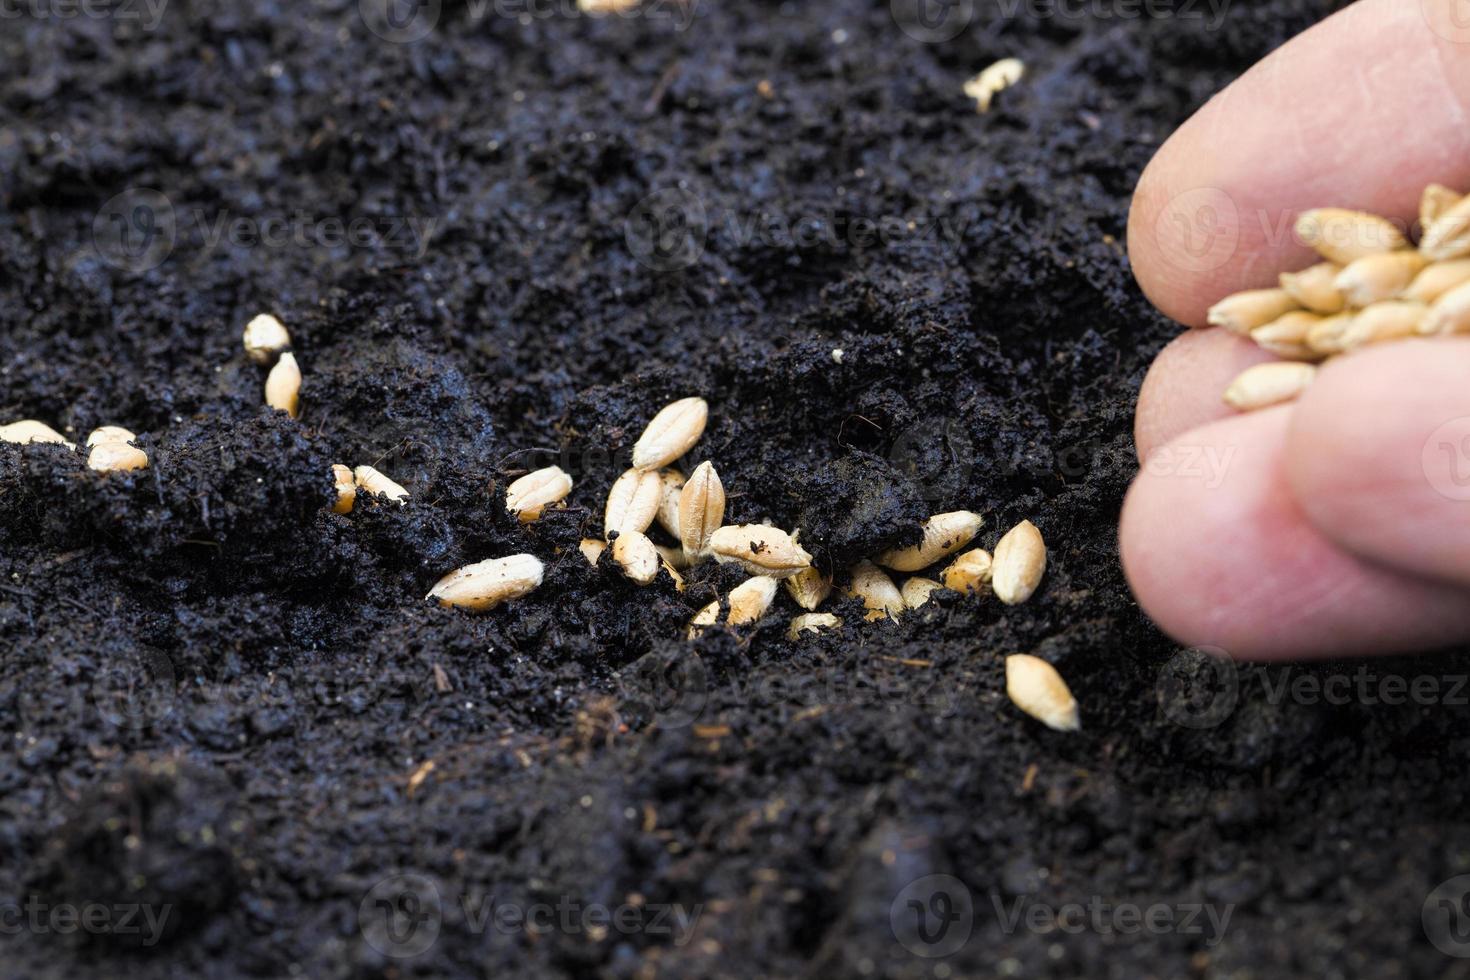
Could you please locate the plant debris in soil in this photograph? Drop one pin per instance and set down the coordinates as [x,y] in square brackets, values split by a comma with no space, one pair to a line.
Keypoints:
[222,699]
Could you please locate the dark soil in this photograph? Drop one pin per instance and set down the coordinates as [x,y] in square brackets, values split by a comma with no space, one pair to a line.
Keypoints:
[218,699]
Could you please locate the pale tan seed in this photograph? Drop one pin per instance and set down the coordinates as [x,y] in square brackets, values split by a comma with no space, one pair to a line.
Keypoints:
[1448,314]
[1268,384]
[668,504]
[529,496]
[636,555]
[346,485]
[1437,279]
[1434,202]
[109,433]
[1448,236]
[592,549]
[265,337]
[1390,320]
[1312,287]
[1375,278]
[1034,686]
[748,602]
[944,534]
[970,572]
[1243,312]
[671,434]
[1343,236]
[809,587]
[283,385]
[373,481]
[993,80]
[486,584]
[812,623]
[27,431]
[759,549]
[675,558]
[707,616]
[871,584]
[1326,337]
[632,503]
[915,591]
[1286,336]
[116,457]
[606,6]
[1019,563]
[701,508]
[673,574]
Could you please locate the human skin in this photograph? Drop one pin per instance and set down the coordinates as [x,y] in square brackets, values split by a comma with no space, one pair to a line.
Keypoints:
[1334,526]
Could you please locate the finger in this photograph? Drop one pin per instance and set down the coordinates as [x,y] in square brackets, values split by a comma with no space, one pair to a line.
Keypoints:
[1184,385]
[1378,455]
[1219,555]
[1361,112]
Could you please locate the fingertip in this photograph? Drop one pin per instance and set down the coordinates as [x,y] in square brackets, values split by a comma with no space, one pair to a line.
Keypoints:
[1182,390]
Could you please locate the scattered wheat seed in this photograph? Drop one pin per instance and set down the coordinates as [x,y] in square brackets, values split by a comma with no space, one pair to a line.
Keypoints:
[1313,288]
[1325,338]
[373,481]
[915,591]
[637,556]
[944,534]
[671,434]
[109,433]
[809,587]
[1375,278]
[283,385]
[668,504]
[675,558]
[110,450]
[1449,314]
[592,549]
[486,584]
[1343,236]
[606,6]
[1448,236]
[1034,686]
[1286,336]
[1019,563]
[1434,202]
[529,496]
[970,572]
[673,573]
[993,80]
[759,549]
[1390,320]
[346,485]
[701,509]
[27,431]
[748,602]
[812,623]
[265,337]
[1268,384]
[632,503]
[1245,311]
[1437,279]
[872,585]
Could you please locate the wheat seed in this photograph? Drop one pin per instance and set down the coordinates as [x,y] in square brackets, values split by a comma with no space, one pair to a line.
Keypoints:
[109,433]
[1375,278]
[809,587]
[1019,563]
[812,623]
[1343,236]
[1286,336]
[1326,337]
[632,503]
[671,434]
[486,584]
[592,549]
[672,482]
[1313,288]
[1449,314]
[1268,384]
[27,431]
[1034,686]
[1448,236]
[673,573]
[636,555]
[970,572]
[993,80]
[872,585]
[1434,202]
[346,486]
[265,337]
[528,497]
[110,450]
[915,591]
[759,549]
[373,481]
[1437,279]
[606,6]
[944,534]
[701,509]
[1389,320]
[1245,311]
[675,558]
[748,602]
[283,385]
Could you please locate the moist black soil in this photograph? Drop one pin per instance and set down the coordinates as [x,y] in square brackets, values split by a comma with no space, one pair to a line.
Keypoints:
[507,244]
